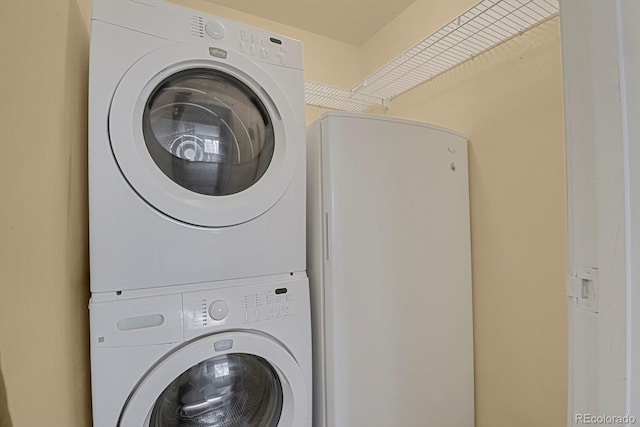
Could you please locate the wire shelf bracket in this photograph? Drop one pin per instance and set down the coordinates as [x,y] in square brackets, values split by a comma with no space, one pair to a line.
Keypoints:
[479,29]
[338,99]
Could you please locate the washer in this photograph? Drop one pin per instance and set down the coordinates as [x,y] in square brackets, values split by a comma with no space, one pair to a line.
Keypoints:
[196,148]
[236,355]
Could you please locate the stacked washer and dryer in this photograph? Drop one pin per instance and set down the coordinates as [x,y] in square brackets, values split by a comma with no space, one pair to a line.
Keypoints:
[199,297]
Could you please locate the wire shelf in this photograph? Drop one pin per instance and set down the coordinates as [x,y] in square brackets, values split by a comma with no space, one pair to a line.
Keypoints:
[337,98]
[482,27]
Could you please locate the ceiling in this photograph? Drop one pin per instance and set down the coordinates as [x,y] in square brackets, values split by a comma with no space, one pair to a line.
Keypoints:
[350,21]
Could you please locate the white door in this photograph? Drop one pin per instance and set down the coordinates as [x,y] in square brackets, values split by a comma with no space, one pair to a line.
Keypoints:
[222,380]
[201,138]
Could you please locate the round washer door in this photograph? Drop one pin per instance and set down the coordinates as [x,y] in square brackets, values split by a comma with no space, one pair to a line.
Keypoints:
[254,383]
[207,141]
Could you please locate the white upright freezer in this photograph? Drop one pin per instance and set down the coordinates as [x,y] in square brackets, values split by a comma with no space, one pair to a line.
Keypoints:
[390,271]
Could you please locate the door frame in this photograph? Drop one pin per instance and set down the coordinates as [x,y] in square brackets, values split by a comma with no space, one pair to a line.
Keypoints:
[602,93]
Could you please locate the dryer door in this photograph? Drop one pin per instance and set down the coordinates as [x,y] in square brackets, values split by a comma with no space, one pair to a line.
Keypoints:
[207,141]
[223,380]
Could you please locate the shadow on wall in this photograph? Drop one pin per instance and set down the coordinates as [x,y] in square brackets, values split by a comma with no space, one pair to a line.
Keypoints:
[74,139]
[5,419]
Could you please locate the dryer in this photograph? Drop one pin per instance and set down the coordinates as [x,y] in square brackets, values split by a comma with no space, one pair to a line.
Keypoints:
[236,355]
[196,148]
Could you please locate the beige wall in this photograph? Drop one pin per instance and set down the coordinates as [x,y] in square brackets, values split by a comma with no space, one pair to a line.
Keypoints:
[420,19]
[509,104]
[43,219]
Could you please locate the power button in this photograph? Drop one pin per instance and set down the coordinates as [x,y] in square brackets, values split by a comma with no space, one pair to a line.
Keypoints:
[219,310]
[215,29]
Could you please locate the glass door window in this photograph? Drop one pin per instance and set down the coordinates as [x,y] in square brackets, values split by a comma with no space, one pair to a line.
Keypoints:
[208,132]
[224,391]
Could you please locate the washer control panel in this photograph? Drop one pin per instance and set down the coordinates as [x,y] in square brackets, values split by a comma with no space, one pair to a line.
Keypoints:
[134,319]
[239,306]
[267,305]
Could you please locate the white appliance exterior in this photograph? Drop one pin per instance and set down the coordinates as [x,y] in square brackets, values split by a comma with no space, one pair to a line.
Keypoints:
[141,343]
[390,273]
[145,230]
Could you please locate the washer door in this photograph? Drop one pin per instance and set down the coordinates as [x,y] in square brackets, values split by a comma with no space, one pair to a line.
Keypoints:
[203,140]
[253,382]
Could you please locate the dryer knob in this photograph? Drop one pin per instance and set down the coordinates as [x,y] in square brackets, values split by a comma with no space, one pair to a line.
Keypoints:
[215,29]
[218,310]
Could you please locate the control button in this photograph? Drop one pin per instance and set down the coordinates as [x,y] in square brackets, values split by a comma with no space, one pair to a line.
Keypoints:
[264,52]
[280,57]
[253,49]
[244,36]
[243,47]
[218,310]
[215,29]
[257,314]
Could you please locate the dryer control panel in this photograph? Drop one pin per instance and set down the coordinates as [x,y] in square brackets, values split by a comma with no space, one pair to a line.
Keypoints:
[173,22]
[268,49]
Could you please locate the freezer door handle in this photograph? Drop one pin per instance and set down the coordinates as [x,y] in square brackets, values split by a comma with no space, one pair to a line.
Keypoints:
[325,235]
